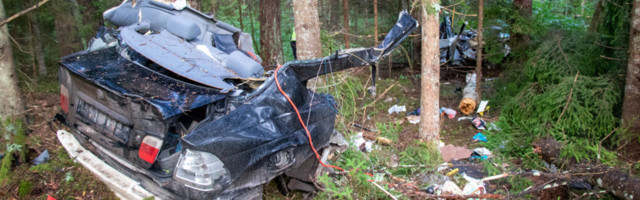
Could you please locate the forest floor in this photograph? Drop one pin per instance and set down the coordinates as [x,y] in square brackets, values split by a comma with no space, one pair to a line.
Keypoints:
[61,178]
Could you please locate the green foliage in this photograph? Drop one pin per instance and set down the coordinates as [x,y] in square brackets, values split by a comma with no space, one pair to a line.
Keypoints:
[389,130]
[354,184]
[15,139]
[535,97]
[585,150]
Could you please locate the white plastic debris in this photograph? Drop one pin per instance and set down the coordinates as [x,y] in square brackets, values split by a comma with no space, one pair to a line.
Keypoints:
[483,152]
[443,166]
[389,99]
[451,113]
[450,187]
[397,109]
[483,106]
[464,118]
[473,186]
[492,126]
[413,119]
[358,141]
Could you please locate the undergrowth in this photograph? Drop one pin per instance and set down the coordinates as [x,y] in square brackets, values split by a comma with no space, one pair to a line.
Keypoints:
[566,89]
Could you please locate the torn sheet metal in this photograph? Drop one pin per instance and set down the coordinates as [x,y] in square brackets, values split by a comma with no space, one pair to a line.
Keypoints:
[265,124]
[181,57]
[108,69]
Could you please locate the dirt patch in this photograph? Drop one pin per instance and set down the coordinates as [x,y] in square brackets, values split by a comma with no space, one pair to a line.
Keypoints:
[60,177]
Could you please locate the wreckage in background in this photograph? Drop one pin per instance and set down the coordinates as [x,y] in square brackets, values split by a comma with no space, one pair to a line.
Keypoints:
[178,102]
[460,49]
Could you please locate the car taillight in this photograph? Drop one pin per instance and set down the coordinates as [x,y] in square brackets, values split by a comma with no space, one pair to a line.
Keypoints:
[64,98]
[149,148]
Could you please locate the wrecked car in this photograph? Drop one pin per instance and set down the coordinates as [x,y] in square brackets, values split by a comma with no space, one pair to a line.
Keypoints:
[178,102]
[457,49]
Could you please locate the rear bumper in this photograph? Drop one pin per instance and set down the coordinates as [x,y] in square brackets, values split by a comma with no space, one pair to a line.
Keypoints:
[123,186]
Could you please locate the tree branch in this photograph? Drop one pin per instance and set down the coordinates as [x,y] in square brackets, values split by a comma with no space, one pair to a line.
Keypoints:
[14,16]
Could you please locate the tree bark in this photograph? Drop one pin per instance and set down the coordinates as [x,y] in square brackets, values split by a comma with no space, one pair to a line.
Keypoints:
[270,35]
[67,34]
[37,45]
[345,22]
[305,15]
[240,14]
[375,22]
[430,83]
[595,19]
[335,14]
[11,101]
[195,4]
[525,8]
[631,100]
[479,50]
[214,7]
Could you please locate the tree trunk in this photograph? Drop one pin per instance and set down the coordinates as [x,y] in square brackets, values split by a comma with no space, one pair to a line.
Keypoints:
[430,83]
[525,8]
[595,19]
[479,50]
[240,14]
[335,14]
[345,22]
[10,98]
[67,34]
[214,7]
[305,15]
[270,36]
[375,22]
[37,45]
[75,10]
[195,4]
[631,100]
[256,46]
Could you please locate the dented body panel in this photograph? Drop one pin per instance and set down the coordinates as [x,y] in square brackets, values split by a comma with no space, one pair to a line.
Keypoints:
[140,108]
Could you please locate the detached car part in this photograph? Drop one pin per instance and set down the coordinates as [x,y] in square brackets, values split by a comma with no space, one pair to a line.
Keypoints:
[177,101]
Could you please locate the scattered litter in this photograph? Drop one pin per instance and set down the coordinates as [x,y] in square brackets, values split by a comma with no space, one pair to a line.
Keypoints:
[361,143]
[551,167]
[481,154]
[364,128]
[478,123]
[453,172]
[68,177]
[42,158]
[413,119]
[483,107]
[479,137]
[397,109]
[443,166]
[430,189]
[450,187]
[451,113]
[415,112]
[464,118]
[450,152]
[384,141]
[473,186]
[492,126]
[388,99]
